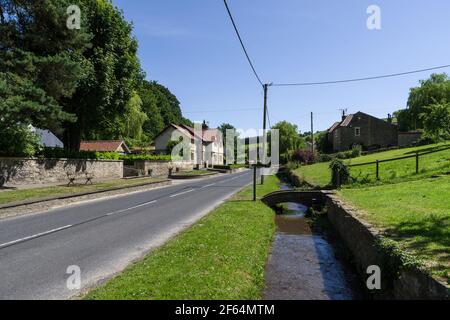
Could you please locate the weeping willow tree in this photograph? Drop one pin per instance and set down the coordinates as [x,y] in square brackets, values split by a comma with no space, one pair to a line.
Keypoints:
[134,119]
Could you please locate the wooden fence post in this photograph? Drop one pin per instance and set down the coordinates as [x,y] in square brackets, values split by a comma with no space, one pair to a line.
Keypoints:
[417,162]
[254,183]
[378,170]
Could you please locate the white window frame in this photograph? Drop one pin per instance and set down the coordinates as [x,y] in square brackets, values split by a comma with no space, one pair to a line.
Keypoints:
[357,132]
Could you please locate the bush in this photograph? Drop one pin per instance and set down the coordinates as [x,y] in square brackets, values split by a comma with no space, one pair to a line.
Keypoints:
[340,173]
[130,159]
[292,166]
[356,151]
[304,156]
[18,142]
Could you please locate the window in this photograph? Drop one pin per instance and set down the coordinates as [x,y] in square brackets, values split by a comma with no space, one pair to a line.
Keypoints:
[357,132]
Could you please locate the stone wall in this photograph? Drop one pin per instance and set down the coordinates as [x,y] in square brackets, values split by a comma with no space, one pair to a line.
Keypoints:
[360,238]
[408,138]
[162,168]
[17,171]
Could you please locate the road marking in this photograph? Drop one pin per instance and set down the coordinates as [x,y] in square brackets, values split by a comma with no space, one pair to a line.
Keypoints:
[131,208]
[34,236]
[207,186]
[179,194]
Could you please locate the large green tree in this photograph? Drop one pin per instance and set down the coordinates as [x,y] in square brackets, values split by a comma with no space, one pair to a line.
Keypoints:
[39,63]
[434,90]
[436,120]
[110,74]
[161,106]
[290,139]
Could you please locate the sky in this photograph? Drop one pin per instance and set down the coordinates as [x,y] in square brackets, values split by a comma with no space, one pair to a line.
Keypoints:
[190,47]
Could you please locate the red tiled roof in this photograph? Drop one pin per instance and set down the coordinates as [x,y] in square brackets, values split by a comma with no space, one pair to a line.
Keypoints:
[209,135]
[103,146]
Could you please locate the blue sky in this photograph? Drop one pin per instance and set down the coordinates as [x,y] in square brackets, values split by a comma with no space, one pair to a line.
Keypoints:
[190,47]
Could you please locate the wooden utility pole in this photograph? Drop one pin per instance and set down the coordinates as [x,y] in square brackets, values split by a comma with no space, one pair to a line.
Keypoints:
[312,132]
[266,87]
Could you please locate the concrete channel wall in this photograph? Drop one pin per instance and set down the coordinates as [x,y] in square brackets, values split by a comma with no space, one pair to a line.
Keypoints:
[361,239]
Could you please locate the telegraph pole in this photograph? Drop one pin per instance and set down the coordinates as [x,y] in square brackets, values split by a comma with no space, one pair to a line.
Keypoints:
[312,132]
[266,87]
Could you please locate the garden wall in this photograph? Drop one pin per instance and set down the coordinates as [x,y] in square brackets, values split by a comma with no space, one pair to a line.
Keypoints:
[162,168]
[361,239]
[17,171]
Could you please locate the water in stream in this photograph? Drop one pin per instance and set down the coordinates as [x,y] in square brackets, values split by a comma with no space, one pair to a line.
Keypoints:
[303,264]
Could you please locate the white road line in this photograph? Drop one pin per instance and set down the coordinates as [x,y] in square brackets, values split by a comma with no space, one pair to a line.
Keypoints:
[207,186]
[131,208]
[179,194]
[34,236]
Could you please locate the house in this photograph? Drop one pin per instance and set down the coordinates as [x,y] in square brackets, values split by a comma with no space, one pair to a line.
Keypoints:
[362,129]
[47,138]
[211,141]
[118,146]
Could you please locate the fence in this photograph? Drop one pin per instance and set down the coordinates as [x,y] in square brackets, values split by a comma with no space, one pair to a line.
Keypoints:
[417,156]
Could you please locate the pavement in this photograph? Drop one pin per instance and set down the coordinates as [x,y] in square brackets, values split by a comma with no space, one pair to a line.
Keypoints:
[41,254]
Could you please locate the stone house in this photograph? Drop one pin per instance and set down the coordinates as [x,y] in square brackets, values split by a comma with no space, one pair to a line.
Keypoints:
[210,142]
[362,129]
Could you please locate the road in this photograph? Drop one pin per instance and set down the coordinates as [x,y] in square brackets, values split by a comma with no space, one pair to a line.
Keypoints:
[100,237]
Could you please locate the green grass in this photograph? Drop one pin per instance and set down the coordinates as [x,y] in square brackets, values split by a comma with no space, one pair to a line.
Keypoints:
[8,196]
[415,213]
[222,257]
[396,171]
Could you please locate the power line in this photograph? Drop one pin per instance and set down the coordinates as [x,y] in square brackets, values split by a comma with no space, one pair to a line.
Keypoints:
[242,43]
[222,110]
[358,79]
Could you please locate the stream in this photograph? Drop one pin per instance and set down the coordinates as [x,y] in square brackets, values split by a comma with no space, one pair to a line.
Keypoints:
[303,264]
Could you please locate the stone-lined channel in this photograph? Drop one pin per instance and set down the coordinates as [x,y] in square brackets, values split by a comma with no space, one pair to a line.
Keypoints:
[303,264]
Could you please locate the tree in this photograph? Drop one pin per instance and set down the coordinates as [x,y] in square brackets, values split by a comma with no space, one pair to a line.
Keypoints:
[134,118]
[436,120]
[155,122]
[290,139]
[36,74]
[161,106]
[431,91]
[111,72]
[404,120]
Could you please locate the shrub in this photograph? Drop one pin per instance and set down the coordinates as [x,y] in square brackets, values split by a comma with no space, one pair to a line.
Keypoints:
[292,166]
[130,159]
[304,156]
[340,173]
[19,142]
[356,151]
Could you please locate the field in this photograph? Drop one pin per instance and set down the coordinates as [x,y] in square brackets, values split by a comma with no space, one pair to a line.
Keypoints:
[390,172]
[222,257]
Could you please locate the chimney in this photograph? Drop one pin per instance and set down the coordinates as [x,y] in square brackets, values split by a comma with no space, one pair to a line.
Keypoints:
[343,115]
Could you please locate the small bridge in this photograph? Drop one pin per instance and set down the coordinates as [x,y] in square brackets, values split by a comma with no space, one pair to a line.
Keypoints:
[312,199]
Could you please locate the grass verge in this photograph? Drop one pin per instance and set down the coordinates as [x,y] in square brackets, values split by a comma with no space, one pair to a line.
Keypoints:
[415,214]
[222,257]
[193,173]
[9,196]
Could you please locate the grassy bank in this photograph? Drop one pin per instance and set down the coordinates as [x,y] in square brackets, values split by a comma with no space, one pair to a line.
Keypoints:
[402,170]
[416,214]
[9,196]
[222,257]
[192,173]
